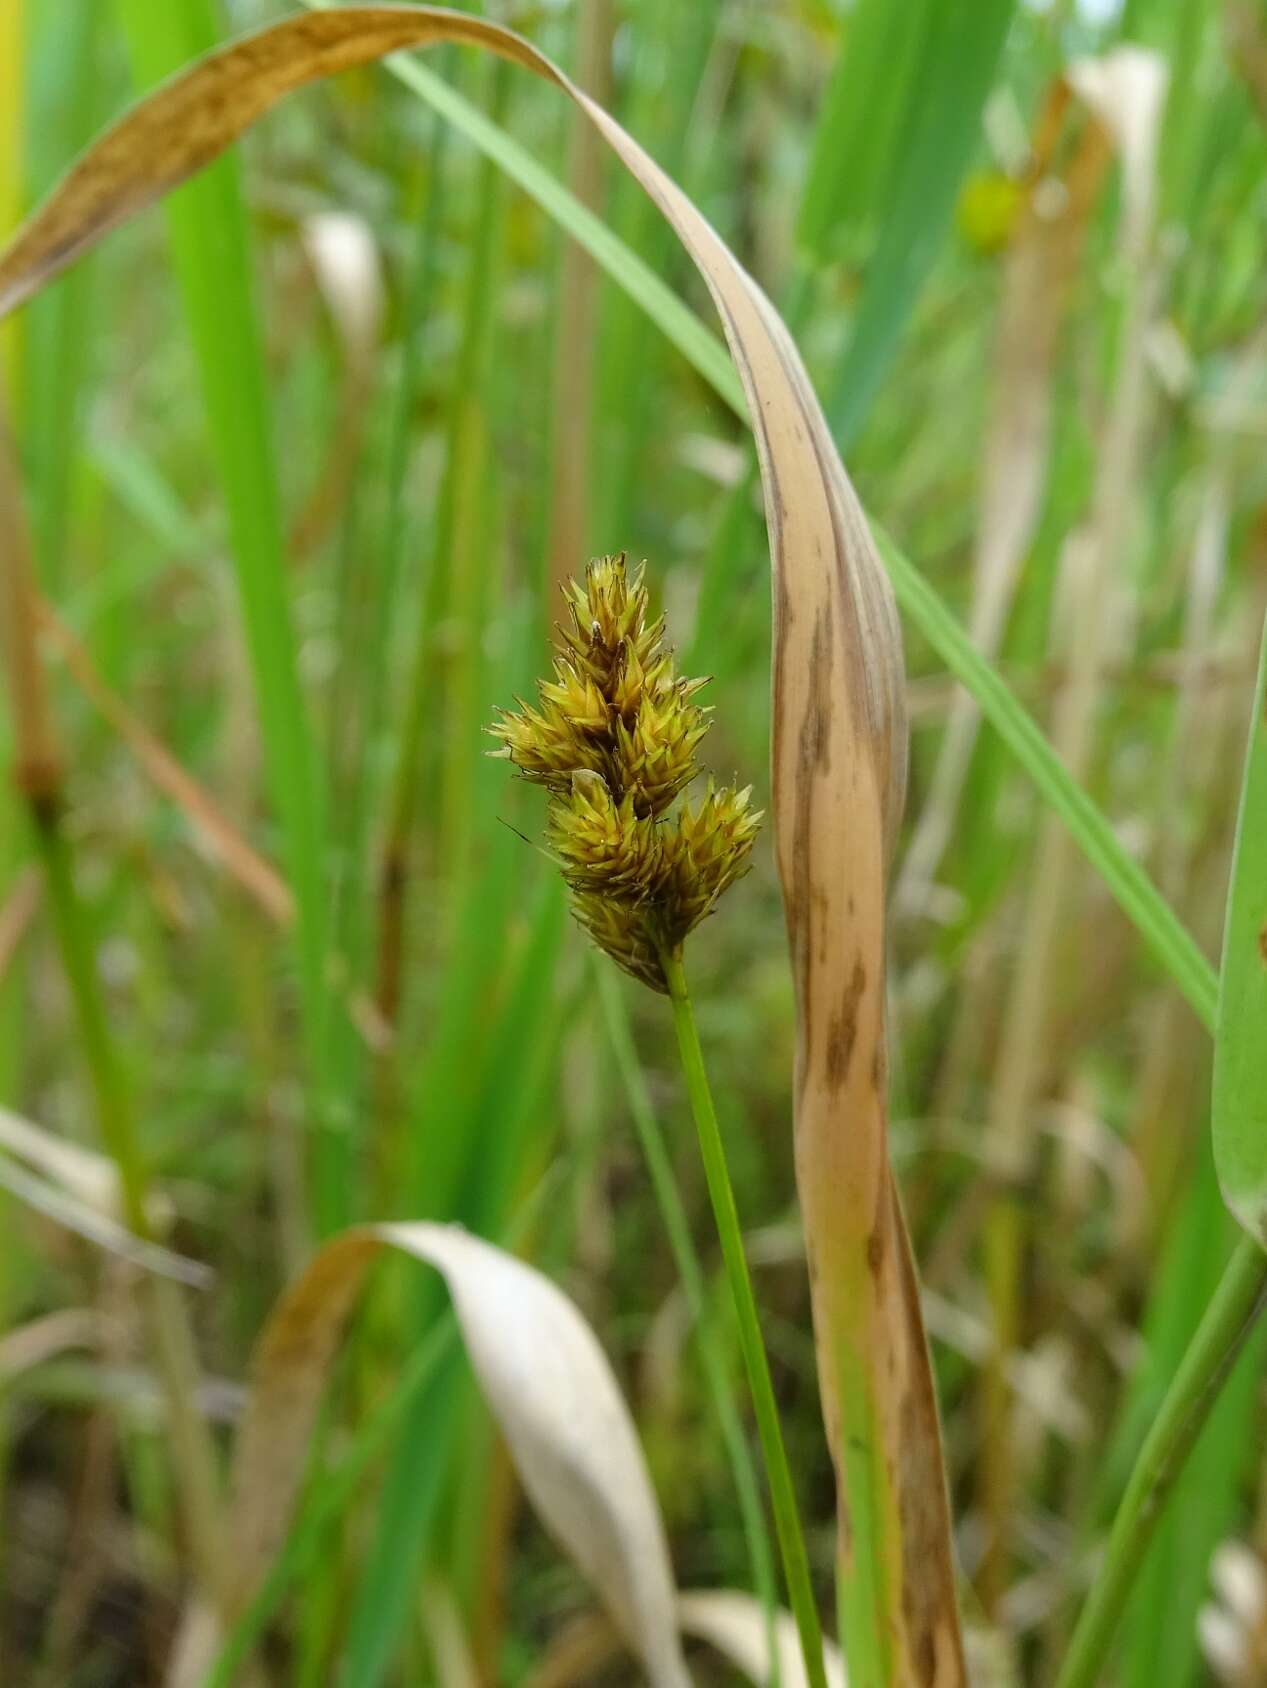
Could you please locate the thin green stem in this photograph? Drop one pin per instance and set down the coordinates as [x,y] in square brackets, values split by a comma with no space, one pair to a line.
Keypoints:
[113,1111]
[455,591]
[192,1451]
[691,1275]
[778,1473]
[1221,1335]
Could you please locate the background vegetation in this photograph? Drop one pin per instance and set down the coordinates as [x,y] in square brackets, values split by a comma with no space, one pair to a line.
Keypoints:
[306,459]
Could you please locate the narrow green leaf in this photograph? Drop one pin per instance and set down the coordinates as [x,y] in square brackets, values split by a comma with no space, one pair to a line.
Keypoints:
[860,137]
[65,85]
[676,321]
[1159,1642]
[1240,1035]
[211,257]
[957,62]
[1136,895]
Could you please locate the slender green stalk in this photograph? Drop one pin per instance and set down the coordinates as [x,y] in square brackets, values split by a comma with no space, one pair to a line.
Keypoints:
[211,256]
[1230,1317]
[192,1450]
[456,589]
[787,1521]
[690,1273]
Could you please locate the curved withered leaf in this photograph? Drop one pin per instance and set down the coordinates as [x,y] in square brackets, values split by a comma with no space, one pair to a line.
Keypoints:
[547,1382]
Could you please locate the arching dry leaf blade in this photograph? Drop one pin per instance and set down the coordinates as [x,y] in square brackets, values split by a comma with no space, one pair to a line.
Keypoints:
[544,1377]
[839,760]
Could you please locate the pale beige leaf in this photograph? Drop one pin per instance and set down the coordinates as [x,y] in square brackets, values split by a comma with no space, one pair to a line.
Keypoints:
[79,1190]
[82,1173]
[546,1380]
[729,1621]
[1126,90]
[42,1339]
[344,259]
[734,1624]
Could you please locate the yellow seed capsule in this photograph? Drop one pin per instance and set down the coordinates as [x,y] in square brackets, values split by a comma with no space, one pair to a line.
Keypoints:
[614,742]
[576,697]
[602,845]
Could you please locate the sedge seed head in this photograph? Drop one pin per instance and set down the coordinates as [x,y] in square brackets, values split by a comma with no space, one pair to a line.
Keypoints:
[613,739]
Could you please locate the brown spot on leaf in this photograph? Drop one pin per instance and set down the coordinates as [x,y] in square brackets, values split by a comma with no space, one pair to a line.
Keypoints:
[842,1028]
[815,736]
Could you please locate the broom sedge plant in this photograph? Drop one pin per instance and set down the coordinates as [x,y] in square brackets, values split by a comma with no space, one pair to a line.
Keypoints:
[613,740]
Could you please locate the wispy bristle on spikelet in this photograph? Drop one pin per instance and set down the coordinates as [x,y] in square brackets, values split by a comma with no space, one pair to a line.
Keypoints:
[613,740]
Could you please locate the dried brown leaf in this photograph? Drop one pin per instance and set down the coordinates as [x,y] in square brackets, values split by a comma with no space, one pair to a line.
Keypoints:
[1042,263]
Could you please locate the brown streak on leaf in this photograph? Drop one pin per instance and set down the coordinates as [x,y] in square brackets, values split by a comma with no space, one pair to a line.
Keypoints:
[842,1030]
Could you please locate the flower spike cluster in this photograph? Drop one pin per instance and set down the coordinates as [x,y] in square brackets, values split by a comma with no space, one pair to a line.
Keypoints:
[613,739]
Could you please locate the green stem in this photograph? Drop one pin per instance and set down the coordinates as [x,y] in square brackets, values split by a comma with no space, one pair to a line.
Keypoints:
[778,1473]
[1213,1351]
[193,1454]
[691,1275]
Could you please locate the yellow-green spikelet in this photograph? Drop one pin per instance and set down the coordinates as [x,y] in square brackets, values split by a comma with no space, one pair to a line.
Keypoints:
[613,740]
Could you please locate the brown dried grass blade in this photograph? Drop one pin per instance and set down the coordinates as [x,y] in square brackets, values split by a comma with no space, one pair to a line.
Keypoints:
[1042,263]
[839,758]
[256,875]
[16,914]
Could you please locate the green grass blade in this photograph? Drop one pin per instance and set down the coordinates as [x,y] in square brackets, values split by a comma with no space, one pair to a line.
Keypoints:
[676,321]
[956,66]
[65,109]
[210,253]
[1136,895]
[657,107]
[858,142]
[1240,1037]
[1159,1640]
